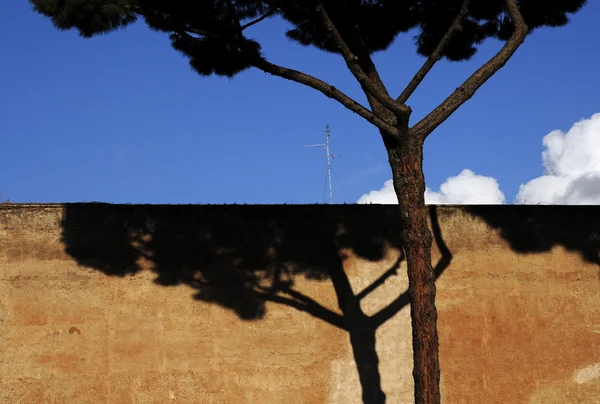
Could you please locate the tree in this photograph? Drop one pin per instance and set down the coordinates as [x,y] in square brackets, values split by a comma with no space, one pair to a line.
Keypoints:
[213,35]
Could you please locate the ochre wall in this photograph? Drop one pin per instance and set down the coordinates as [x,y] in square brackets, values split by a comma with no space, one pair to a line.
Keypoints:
[97,304]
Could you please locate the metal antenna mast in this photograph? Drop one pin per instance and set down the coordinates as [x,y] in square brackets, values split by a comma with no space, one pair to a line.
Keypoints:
[329,157]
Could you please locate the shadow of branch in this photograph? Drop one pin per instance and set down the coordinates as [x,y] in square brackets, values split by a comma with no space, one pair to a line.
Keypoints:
[241,258]
[443,263]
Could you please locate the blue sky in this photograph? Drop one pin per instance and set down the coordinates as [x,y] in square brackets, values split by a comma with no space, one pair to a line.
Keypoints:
[122,118]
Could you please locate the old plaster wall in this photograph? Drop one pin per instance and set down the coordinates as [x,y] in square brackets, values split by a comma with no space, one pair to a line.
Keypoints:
[241,304]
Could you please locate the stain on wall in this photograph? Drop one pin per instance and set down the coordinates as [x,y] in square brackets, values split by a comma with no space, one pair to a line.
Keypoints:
[303,304]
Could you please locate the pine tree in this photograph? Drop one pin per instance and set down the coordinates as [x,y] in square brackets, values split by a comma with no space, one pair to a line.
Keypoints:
[212,34]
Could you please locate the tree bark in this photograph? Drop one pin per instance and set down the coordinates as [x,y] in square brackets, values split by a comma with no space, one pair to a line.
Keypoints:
[406,160]
[405,155]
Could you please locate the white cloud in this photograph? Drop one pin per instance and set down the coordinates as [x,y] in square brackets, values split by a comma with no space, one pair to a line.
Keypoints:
[466,188]
[572,164]
[572,175]
[385,195]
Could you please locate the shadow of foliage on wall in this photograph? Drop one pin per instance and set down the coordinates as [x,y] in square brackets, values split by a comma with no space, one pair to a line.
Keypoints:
[241,257]
[538,228]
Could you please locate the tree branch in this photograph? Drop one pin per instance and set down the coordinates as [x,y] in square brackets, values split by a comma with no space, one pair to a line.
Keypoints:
[352,62]
[317,84]
[259,19]
[463,93]
[381,280]
[307,305]
[326,89]
[436,55]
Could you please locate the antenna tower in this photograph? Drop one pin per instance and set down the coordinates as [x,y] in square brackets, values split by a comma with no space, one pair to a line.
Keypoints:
[329,157]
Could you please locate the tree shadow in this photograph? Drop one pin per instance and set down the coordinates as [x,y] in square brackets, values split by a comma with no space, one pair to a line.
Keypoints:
[538,228]
[241,257]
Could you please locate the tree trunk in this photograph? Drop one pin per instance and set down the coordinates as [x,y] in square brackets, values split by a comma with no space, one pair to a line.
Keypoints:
[406,160]
[363,342]
[362,337]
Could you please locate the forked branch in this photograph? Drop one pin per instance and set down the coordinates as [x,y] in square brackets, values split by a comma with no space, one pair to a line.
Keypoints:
[436,55]
[352,61]
[463,93]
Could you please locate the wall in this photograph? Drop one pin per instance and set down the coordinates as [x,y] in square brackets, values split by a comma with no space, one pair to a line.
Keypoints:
[292,304]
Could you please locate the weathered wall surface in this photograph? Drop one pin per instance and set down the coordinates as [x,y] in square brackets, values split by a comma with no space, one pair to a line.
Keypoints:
[285,304]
